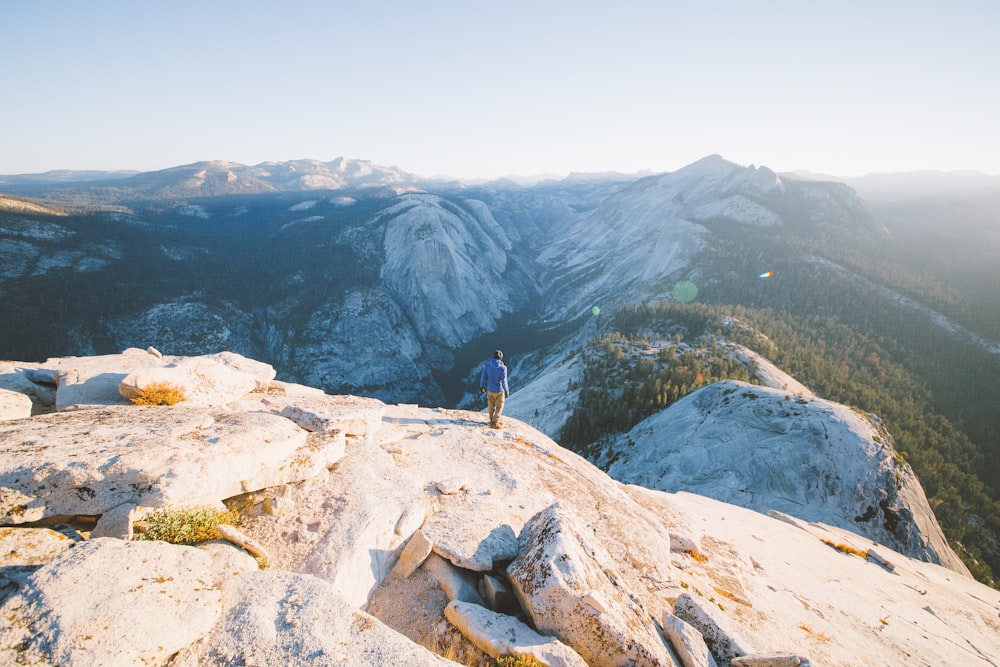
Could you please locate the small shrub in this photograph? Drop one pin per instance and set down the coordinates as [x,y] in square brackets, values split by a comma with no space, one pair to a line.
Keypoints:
[184,525]
[517,660]
[159,393]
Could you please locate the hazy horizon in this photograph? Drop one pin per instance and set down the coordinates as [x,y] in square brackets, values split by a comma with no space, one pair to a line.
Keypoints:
[527,176]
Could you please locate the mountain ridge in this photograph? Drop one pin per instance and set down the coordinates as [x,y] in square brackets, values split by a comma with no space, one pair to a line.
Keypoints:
[71,175]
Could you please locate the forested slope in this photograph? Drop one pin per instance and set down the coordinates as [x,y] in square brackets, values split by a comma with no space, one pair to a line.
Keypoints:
[859,325]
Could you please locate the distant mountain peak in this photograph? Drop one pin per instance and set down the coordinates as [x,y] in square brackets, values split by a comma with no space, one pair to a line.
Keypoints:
[729,175]
[712,161]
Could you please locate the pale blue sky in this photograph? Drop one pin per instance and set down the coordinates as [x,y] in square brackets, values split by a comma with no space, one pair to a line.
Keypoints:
[483,89]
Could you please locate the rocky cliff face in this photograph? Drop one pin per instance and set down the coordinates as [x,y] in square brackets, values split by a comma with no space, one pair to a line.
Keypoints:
[370,294]
[396,534]
[638,241]
[446,267]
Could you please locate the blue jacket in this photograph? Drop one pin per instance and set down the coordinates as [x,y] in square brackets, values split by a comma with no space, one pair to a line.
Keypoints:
[494,377]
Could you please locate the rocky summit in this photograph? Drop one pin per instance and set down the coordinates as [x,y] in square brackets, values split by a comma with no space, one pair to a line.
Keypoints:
[369,533]
[768,450]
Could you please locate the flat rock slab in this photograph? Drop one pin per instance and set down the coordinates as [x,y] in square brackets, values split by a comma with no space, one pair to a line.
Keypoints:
[24,550]
[687,642]
[25,378]
[417,549]
[159,601]
[498,634]
[352,415]
[87,382]
[281,618]
[90,461]
[376,506]
[457,584]
[30,546]
[771,660]
[113,379]
[201,381]
[468,537]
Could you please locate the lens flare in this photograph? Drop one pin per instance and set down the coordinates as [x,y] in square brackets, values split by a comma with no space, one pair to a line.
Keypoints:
[596,311]
[767,274]
[685,291]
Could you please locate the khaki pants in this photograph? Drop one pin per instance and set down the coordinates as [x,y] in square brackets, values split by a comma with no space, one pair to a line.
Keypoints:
[495,405]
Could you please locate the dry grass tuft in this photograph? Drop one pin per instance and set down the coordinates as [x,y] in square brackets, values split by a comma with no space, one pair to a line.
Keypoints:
[159,393]
[698,556]
[846,548]
[732,596]
[822,636]
[517,660]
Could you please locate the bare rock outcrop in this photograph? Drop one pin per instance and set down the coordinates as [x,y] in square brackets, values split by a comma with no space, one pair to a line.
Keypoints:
[766,449]
[723,637]
[88,382]
[14,405]
[151,600]
[569,587]
[499,634]
[282,618]
[213,379]
[89,461]
[457,583]
[115,379]
[29,379]
[351,415]
[377,519]
[687,642]
[24,550]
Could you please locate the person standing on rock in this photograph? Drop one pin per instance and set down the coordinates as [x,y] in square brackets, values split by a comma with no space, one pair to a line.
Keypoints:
[493,382]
